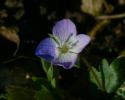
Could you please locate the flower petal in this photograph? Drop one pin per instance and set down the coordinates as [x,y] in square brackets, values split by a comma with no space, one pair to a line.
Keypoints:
[82,41]
[64,29]
[47,49]
[66,60]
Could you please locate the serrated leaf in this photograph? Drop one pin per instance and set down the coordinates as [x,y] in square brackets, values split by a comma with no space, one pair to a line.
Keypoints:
[113,74]
[104,68]
[117,74]
[95,77]
[110,76]
[110,79]
[119,67]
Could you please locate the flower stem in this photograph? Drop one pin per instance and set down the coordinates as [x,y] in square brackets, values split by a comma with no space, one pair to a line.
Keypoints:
[17,49]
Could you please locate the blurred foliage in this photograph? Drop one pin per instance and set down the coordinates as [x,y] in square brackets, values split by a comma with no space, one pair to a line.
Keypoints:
[19,93]
[44,94]
[121,91]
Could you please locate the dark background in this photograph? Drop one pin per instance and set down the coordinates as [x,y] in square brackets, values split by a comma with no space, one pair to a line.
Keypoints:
[34,25]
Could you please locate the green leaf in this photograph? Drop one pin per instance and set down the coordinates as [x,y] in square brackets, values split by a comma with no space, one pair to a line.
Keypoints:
[117,75]
[50,73]
[45,65]
[19,93]
[44,94]
[53,82]
[121,91]
[95,77]
[109,77]
[49,70]
[40,80]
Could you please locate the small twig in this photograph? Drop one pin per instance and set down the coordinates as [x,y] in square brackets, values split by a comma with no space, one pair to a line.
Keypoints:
[17,58]
[99,26]
[116,16]
[17,49]
[104,20]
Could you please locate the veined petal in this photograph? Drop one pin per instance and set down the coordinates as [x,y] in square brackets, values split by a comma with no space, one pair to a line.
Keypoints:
[47,49]
[66,60]
[82,40]
[64,29]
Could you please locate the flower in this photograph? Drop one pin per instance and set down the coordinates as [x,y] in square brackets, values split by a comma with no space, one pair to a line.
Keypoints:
[63,47]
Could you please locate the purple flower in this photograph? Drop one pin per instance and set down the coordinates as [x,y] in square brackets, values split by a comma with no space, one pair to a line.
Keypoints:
[63,47]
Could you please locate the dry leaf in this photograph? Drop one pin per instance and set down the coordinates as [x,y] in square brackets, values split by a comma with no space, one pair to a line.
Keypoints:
[93,7]
[19,14]
[3,14]
[10,34]
[96,7]
[14,3]
[121,2]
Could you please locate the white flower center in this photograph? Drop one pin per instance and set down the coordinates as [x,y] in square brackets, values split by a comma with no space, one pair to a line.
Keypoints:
[64,49]
[67,46]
